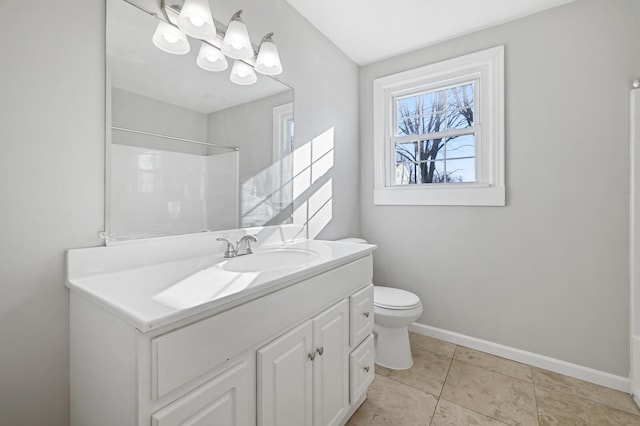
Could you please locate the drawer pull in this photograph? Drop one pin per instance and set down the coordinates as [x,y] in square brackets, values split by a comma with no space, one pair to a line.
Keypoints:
[320,350]
[366,368]
[366,314]
[312,356]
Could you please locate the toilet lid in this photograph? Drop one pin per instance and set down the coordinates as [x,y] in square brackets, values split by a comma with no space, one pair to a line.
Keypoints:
[394,298]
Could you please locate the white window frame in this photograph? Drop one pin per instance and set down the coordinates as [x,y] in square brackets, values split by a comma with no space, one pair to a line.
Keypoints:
[486,69]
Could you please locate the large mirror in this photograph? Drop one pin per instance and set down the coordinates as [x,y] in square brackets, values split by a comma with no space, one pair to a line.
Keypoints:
[187,150]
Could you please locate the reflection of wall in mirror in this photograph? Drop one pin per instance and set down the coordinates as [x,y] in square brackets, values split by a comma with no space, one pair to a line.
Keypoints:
[250,127]
[164,187]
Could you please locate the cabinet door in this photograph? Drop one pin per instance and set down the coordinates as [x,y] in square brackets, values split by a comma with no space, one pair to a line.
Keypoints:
[331,367]
[223,401]
[285,379]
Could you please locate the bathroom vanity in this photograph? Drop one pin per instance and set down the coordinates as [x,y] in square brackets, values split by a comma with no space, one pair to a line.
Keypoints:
[168,332]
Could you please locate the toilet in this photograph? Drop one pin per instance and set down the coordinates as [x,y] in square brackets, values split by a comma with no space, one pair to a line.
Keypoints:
[394,309]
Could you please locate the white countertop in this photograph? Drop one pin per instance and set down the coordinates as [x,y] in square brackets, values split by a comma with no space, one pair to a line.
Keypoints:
[153,295]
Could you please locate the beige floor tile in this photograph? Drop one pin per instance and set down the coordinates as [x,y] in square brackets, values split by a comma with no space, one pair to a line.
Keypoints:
[428,373]
[495,395]
[450,414]
[390,403]
[586,390]
[557,408]
[494,363]
[430,344]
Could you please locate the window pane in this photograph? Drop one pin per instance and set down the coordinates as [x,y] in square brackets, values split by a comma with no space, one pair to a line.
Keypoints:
[430,172]
[414,125]
[409,173]
[460,118]
[434,123]
[461,170]
[407,151]
[461,146]
[460,101]
[435,101]
[460,96]
[405,173]
[408,107]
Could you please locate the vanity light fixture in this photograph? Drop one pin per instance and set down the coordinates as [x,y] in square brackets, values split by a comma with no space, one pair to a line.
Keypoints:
[211,58]
[195,19]
[236,43]
[268,60]
[170,39]
[242,73]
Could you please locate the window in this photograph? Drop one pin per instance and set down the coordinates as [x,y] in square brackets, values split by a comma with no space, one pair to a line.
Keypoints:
[439,133]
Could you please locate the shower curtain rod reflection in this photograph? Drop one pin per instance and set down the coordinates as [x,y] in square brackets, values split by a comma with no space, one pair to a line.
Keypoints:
[173,138]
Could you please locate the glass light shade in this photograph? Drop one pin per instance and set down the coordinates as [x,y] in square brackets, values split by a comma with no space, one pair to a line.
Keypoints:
[268,60]
[242,74]
[170,39]
[211,59]
[195,19]
[236,43]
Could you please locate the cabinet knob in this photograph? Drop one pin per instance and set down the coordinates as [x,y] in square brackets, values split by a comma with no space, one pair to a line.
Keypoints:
[312,356]
[366,368]
[366,314]
[320,350]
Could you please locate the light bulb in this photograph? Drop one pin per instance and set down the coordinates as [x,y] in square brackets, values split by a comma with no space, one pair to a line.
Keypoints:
[268,60]
[211,59]
[170,39]
[242,74]
[195,19]
[236,43]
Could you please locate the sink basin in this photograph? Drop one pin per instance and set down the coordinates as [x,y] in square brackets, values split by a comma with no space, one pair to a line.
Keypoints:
[270,260]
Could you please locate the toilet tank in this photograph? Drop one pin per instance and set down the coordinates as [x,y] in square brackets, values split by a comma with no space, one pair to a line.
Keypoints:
[352,240]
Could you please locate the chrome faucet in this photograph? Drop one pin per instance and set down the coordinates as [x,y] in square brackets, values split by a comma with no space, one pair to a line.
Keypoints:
[248,239]
[232,251]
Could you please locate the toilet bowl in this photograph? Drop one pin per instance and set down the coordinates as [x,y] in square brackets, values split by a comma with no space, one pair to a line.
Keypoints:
[394,309]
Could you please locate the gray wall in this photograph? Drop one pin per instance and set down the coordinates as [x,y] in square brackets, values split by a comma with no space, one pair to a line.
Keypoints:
[52,171]
[51,193]
[548,273]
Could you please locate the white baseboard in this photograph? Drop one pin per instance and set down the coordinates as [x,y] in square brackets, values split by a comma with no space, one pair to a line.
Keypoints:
[587,374]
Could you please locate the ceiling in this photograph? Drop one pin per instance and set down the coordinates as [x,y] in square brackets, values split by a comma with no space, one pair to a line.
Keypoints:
[371,30]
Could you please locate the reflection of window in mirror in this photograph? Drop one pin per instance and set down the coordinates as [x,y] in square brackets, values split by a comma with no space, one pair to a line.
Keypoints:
[282,130]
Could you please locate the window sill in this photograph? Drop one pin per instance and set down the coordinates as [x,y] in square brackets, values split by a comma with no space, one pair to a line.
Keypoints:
[449,195]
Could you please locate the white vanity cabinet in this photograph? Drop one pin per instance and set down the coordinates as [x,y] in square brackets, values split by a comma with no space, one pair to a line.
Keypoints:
[303,376]
[286,356]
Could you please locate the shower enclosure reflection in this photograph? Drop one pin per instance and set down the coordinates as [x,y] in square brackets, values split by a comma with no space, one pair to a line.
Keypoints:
[188,150]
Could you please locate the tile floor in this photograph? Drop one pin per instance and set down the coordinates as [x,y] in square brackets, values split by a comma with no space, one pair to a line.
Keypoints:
[454,385]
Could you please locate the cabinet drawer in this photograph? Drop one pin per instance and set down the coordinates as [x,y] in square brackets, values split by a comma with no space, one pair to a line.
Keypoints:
[361,366]
[225,401]
[361,316]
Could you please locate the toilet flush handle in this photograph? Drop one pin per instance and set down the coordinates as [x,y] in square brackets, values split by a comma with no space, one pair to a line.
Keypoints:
[366,314]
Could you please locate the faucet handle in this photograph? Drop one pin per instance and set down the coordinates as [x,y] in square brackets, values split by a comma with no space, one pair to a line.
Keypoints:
[249,238]
[230,251]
